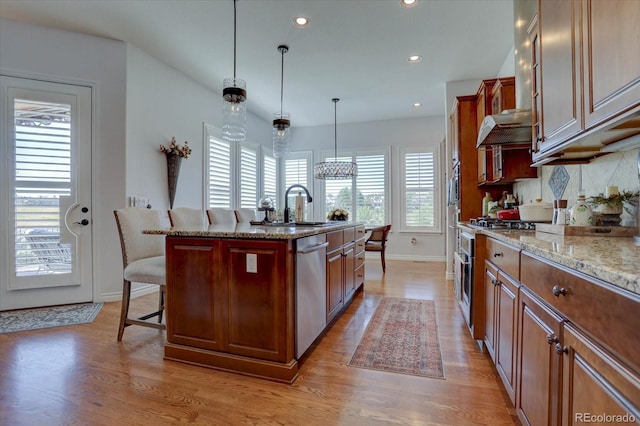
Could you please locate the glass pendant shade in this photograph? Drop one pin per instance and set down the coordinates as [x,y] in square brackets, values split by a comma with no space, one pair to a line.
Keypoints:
[281,120]
[234,107]
[335,170]
[281,135]
[234,110]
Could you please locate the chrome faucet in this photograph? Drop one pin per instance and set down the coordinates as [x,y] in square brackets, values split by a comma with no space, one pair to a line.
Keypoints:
[286,199]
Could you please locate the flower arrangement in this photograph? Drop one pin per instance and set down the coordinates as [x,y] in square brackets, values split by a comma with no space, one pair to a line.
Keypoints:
[338,214]
[616,200]
[174,149]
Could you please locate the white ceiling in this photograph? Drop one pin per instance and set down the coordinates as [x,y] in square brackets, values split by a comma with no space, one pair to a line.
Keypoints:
[355,50]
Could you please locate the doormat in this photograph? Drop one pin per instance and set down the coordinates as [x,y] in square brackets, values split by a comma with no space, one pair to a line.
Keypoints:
[402,337]
[53,316]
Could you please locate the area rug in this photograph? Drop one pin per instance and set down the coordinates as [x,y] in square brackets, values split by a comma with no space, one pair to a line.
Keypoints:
[402,337]
[54,316]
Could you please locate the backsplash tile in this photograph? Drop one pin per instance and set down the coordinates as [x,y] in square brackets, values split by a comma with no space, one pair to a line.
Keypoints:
[616,169]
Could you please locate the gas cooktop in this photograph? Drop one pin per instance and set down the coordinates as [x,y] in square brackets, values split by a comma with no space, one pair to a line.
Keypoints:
[492,223]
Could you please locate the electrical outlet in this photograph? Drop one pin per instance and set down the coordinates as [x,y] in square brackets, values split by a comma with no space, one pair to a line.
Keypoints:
[252,263]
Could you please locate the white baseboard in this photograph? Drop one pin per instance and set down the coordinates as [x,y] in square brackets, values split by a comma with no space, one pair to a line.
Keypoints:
[135,292]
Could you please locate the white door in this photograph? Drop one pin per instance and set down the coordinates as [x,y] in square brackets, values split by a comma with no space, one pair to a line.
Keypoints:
[45,193]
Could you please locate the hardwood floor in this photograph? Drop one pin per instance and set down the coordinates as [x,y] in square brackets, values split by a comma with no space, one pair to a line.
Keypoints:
[81,375]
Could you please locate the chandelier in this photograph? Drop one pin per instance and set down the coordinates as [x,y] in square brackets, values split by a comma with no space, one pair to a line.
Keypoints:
[334,170]
[281,121]
[234,108]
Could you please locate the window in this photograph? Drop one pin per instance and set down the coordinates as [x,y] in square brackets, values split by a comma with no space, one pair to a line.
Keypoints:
[248,167]
[269,177]
[236,172]
[365,197]
[297,170]
[219,170]
[420,195]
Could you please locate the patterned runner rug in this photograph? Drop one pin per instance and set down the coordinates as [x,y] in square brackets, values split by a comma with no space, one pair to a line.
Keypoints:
[54,316]
[402,337]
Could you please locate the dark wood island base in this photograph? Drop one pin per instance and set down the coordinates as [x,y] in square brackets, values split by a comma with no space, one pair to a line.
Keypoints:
[231,301]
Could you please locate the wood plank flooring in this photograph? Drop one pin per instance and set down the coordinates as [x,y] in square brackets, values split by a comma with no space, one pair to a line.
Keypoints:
[81,375]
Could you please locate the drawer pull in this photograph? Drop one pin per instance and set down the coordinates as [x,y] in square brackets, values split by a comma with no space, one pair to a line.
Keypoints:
[561,349]
[552,338]
[498,254]
[360,276]
[557,291]
[494,281]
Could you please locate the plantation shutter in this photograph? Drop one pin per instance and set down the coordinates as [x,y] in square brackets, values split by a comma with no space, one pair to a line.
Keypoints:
[419,189]
[219,173]
[269,183]
[370,189]
[248,177]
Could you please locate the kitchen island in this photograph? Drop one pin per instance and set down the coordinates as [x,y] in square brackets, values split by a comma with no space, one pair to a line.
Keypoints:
[243,298]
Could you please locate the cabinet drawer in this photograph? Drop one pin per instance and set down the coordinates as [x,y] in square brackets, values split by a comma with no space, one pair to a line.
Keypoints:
[504,257]
[360,232]
[335,240]
[600,309]
[360,244]
[359,258]
[349,235]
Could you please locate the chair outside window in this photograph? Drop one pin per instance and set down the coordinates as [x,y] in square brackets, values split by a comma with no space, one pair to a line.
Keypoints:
[220,216]
[143,261]
[186,217]
[377,241]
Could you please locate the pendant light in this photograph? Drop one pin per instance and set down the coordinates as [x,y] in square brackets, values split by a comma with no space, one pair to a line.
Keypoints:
[335,169]
[281,121]
[234,108]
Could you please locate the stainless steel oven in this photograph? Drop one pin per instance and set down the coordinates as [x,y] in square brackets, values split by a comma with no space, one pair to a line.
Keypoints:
[464,264]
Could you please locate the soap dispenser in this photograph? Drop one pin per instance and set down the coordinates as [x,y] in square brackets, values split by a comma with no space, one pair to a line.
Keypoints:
[581,214]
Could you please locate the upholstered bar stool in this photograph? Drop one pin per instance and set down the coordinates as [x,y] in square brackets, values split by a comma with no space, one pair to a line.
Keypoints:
[245,215]
[186,217]
[143,261]
[220,216]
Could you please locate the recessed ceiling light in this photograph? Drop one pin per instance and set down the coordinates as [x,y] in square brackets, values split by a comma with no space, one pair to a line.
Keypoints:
[408,3]
[417,104]
[414,58]
[301,21]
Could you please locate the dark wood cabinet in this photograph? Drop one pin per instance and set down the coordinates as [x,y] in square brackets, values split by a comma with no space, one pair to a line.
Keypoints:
[501,296]
[595,383]
[586,77]
[610,58]
[343,268]
[512,162]
[359,268]
[537,398]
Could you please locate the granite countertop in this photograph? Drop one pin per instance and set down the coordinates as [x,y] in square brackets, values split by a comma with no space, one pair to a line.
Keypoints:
[615,260]
[248,231]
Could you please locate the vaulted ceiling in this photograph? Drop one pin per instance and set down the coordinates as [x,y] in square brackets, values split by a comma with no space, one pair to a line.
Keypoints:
[356,50]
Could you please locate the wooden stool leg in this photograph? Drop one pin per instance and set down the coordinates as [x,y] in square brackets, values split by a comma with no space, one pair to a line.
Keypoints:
[124,310]
[384,266]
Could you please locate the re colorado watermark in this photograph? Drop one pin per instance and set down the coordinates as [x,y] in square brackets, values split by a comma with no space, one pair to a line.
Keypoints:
[604,418]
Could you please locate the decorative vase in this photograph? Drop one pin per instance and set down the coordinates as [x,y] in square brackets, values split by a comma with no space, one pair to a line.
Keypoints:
[173,170]
[581,214]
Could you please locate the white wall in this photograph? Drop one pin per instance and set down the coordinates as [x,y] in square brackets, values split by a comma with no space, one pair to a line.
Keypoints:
[428,131]
[66,57]
[171,104]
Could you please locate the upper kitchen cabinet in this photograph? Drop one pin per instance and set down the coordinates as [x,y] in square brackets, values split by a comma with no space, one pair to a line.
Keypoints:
[586,77]
[498,165]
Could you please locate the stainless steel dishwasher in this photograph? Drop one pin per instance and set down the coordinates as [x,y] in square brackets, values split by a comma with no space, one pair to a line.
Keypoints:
[311,290]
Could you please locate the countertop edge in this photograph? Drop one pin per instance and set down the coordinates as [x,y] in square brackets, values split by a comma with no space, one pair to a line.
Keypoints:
[258,232]
[526,240]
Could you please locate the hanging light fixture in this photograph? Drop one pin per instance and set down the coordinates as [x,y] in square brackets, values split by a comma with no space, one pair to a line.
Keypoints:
[281,121]
[234,108]
[335,169]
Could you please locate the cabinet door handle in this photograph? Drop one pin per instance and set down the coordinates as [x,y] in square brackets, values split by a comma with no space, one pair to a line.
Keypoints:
[557,291]
[552,338]
[498,254]
[561,349]
[494,281]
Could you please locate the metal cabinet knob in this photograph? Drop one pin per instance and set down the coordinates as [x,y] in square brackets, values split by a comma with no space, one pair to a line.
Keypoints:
[557,291]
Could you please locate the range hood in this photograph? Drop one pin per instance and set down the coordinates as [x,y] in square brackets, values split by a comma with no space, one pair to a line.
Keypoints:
[512,126]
